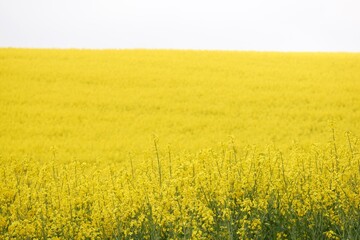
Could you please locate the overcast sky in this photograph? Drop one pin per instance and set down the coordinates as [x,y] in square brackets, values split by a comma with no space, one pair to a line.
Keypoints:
[278,25]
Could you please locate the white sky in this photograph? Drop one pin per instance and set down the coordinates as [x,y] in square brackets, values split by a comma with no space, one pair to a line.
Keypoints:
[278,25]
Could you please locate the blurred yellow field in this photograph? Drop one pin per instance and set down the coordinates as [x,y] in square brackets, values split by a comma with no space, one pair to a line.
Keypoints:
[156,144]
[98,104]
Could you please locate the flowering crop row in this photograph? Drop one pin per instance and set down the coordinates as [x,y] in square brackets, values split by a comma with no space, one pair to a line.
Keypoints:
[234,193]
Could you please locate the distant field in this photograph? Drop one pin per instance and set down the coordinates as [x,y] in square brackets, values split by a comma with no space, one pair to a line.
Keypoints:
[103,103]
[165,144]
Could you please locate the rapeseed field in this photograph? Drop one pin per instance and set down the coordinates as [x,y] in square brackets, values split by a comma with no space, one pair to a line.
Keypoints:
[164,144]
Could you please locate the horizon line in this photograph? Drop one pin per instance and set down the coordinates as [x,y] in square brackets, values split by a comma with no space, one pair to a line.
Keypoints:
[180,49]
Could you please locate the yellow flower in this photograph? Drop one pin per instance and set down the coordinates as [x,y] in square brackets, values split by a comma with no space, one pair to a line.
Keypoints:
[331,235]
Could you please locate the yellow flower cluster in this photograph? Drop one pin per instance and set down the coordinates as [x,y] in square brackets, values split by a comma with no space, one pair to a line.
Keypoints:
[244,194]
